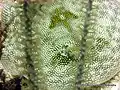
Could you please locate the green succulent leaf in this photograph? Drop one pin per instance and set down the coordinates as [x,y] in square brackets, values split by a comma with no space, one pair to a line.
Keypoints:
[63,45]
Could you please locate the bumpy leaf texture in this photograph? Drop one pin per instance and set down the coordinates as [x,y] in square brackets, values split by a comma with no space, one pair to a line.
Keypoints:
[63,45]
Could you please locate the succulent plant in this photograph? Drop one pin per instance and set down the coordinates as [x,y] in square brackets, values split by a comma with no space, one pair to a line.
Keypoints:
[67,45]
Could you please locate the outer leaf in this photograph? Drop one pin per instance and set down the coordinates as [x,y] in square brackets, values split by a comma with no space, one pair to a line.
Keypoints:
[55,38]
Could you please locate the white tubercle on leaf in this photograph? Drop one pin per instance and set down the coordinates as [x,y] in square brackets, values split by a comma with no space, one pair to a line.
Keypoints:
[38,1]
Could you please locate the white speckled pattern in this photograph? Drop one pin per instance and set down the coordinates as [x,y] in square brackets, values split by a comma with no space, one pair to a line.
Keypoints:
[101,45]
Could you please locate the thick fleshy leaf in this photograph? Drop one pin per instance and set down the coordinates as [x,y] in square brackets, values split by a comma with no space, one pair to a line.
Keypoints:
[63,43]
